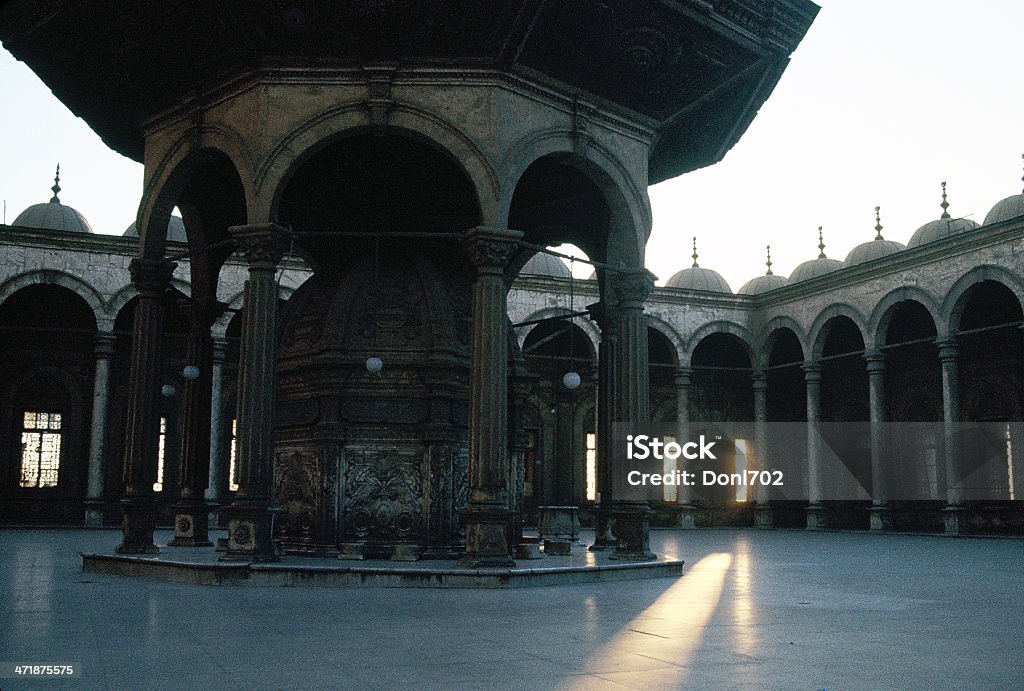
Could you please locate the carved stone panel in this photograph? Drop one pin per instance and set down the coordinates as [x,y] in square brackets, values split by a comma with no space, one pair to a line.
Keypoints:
[383,496]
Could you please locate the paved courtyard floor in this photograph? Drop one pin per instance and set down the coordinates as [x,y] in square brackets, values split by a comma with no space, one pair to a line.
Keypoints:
[788,610]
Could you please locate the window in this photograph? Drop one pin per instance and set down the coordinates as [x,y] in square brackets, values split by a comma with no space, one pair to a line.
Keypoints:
[40,449]
[741,468]
[158,486]
[232,466]
[591,466]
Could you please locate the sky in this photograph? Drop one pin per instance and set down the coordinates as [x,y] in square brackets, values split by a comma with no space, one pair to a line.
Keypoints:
[882,101]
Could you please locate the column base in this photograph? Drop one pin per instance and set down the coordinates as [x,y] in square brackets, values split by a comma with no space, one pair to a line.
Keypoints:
[632,530]
[603,538]
[764,519]
[191,525]
[816,520]
[487,530]
[880,517]
[93,513]
[688,517]
[137,527]
[250,533]
[953,519]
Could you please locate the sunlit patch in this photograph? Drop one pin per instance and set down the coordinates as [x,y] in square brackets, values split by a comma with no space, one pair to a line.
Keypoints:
[669,630]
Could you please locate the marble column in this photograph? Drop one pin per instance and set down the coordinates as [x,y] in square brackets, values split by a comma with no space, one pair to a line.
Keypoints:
[191,514]
[815,508]
[949,357]
[603,317]
[487,518]
[763,518]
[250,516]
[682,380]
[151,277]
[632,402]
[94,501]
[218,457]
[879,511]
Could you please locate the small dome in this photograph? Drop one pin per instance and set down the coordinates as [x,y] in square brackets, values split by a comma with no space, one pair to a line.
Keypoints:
[762,284]
[940,229]
[814,268]
[699,278]
[53,215]
[876,249]
[1008,208]
[943,227]
[175,230]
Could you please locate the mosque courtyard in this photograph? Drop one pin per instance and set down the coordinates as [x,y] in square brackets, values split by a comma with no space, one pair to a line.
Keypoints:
[753,609]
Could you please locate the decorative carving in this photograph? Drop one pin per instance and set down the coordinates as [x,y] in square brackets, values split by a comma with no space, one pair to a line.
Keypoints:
[261,244]
[632,286]
[490,250]
[383,496]
[151,276]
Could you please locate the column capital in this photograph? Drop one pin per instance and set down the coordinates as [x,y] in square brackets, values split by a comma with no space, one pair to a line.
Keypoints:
[220,348]
[103,343]
[681,377]
[812,371]
[261,243]
[760,379]
[151,277]
[631,287]
[949,351]
[491,249]
[875,360]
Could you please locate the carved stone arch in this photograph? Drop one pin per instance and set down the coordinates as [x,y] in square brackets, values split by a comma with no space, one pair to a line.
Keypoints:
[335,124]
[164,185]
[881,315]
[604,170]
[669,332]
[75,284]
[816,335]
[722,326]
[585,325]
[769,336]
[952,304]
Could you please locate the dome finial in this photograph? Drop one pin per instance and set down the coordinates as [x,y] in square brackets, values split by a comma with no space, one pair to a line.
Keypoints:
[878,223]
[821,244]
[694,255]
[769,262]
[56,187]
[944,204]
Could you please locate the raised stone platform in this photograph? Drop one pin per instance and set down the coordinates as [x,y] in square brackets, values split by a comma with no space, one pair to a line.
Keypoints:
[200,566]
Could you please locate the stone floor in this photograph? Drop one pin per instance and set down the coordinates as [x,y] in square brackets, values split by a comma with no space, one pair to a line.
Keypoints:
[786,610]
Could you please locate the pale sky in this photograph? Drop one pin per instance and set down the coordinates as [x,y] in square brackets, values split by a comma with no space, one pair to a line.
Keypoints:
[882,101]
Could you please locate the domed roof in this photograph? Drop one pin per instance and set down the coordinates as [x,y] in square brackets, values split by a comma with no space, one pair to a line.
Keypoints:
[698,278]
[762,284]
[815,267]
[542,264]
[175,230]
[877,248]
[53,215]
[1008,208]
[943,227]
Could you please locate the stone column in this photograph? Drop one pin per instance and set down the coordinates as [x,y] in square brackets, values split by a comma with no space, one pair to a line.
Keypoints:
[218,458]
[815,508]
[632,402]
[488,519]
[949,357]
[151,278]
[250,516]
[602,315]
[191,514]
[763,518]
[881,518]
[94,502]
[687,510]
